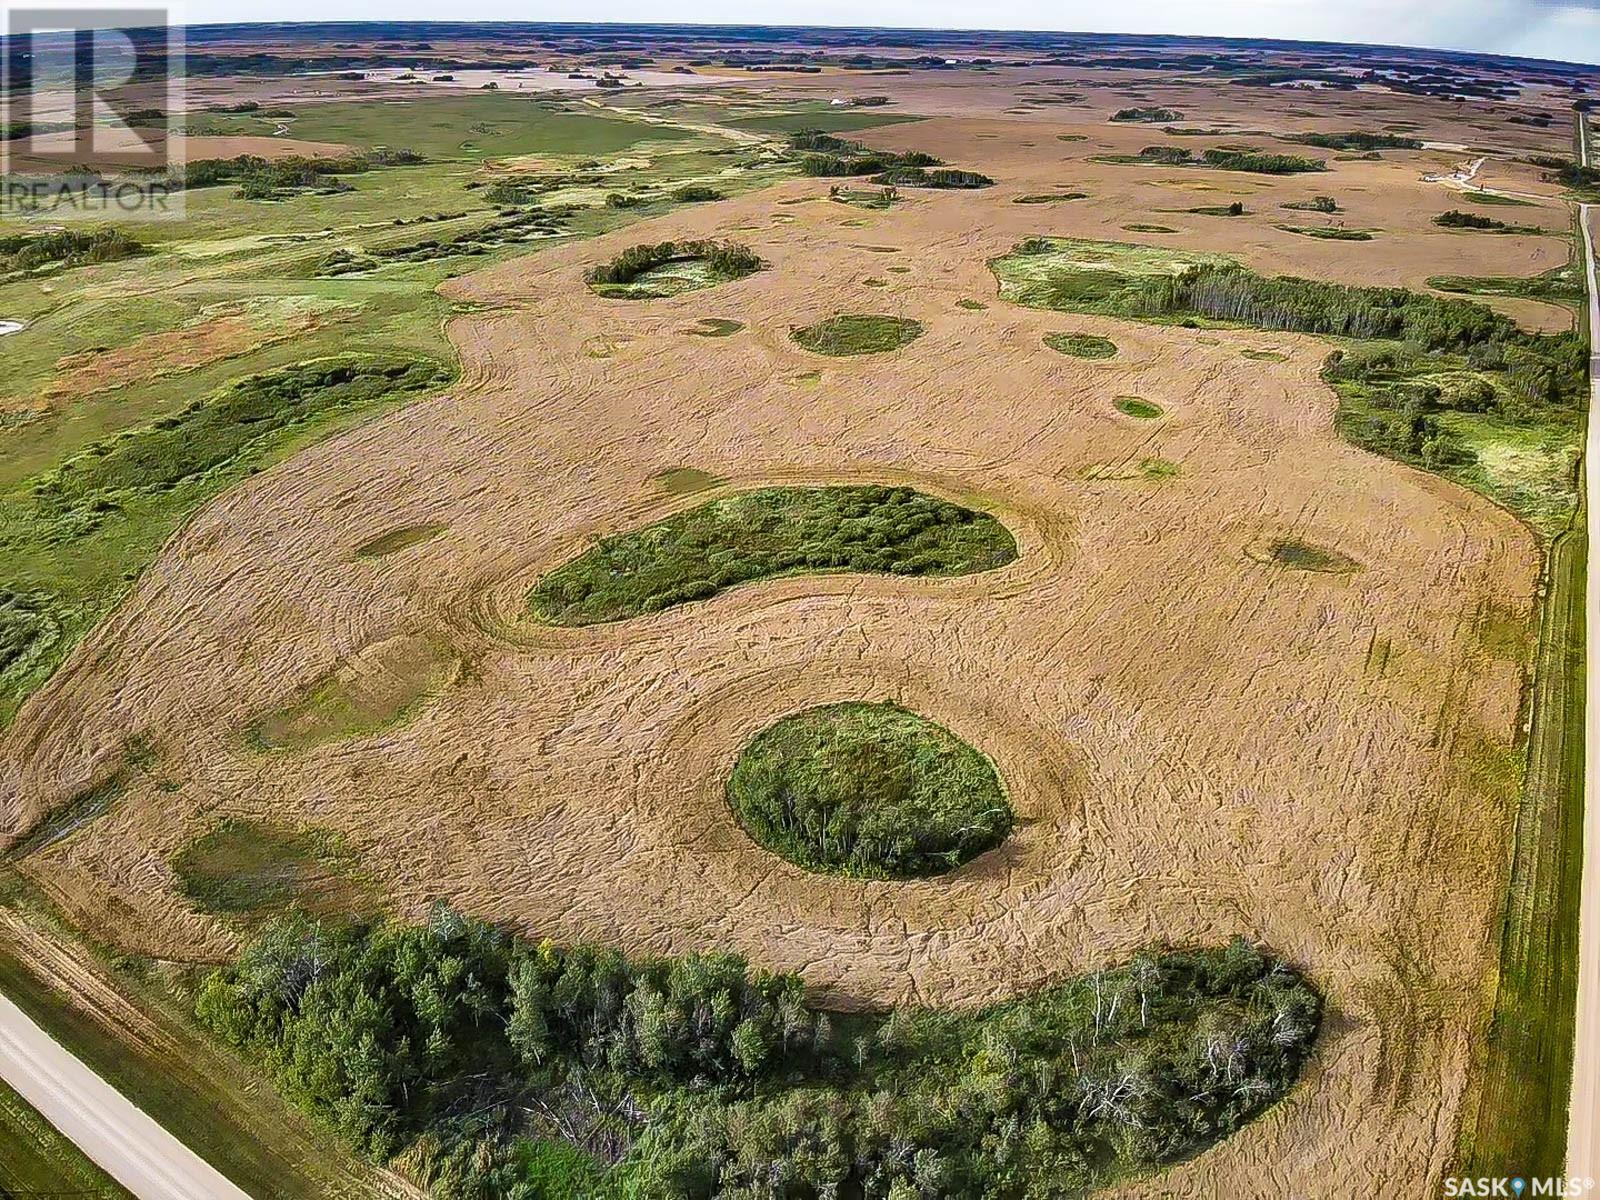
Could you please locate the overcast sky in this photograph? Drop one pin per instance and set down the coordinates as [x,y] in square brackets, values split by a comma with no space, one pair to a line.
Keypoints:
[1558,29]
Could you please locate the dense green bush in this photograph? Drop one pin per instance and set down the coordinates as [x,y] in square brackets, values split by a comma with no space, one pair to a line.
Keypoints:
[938,177]
[1457,219]
[870,790]
[727,260]
[1567,172]
[765,533]
[823,154]
[1356,140]
[260,178]
[1262,164]
[1175,155]
[464,1056]
[1322,204]
[695,193]
[511,191]
[65,248]
[1229,160]
[1081,345]
[1151,115]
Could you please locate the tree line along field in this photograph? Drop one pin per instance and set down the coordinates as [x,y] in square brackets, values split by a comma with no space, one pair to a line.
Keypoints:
[664,569]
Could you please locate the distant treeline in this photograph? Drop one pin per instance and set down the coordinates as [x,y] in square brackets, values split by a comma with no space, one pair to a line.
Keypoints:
[264,179]
[1356,140]
[1569,173]
[823,154]
[1230,160]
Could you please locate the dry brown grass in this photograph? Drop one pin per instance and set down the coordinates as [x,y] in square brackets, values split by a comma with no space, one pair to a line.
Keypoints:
[1196,743]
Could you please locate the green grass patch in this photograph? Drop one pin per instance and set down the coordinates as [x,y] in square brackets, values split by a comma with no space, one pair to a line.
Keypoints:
[1159,468]
[1049,197]
[1559,285]
[1297,554]
[400,539]
[824,118]
[971,305]
[1444,414]
[1517,1124]
[247,868]
[1494,198]
[723,1079]
[36,1161]
[1264,355]
[1137,406]
[764,534]
[870,790]
[1147,227]
[685,481]
[857,333]
[383,685]
[1081,345]
[1076,275]
[1329,233]
[715,327]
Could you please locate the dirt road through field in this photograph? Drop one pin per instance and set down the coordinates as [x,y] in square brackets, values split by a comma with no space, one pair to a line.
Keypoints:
[104,1124]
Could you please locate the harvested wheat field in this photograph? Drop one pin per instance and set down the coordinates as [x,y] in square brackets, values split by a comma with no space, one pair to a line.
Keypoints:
[1198,738]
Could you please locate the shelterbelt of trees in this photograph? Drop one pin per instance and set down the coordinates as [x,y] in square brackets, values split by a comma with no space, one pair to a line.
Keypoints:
[484,1065]
[825,155]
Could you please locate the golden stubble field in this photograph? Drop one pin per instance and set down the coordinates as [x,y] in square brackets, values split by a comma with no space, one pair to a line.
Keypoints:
[1198,744]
